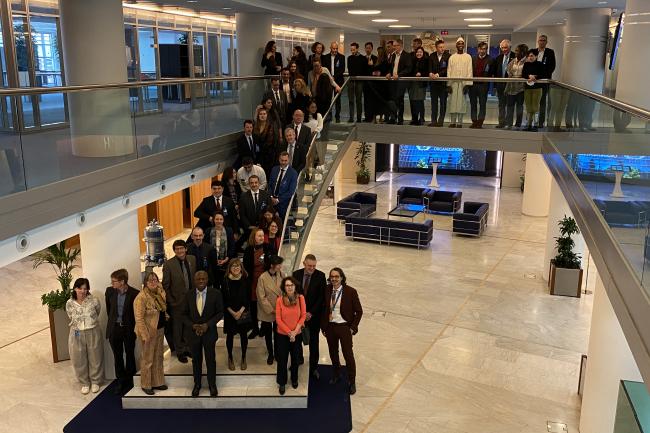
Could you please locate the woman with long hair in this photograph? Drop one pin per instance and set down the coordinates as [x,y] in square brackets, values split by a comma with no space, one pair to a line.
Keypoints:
[302,96]
[300,58]
[316,51]
[269,142]
[256,255]
[418,89]
[290,314]
[223,249]
[231,187]
[237,318]
[268,291]
[273,235]
[271,59]
[85,339]
[295,73]
[314,120]
[150,310]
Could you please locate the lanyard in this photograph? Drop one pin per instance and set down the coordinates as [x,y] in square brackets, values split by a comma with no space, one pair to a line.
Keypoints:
[336,300]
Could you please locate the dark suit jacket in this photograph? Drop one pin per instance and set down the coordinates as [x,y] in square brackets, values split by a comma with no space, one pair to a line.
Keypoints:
[369,69]
[439,67]
[173,281]
[243,149]
[281,110]
[200,253]
[269,65]
[405,66]
[357,65]
[487,69]
[350,306]
[299,156]
[314,297]
[498,71]
[208,207]
[339,66]
[212,313]
[288,185]
[248,213]
[548,60]
[128,319]
[304,139]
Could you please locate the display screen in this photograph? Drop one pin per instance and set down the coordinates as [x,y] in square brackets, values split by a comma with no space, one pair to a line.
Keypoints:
[448,158]
[633,166]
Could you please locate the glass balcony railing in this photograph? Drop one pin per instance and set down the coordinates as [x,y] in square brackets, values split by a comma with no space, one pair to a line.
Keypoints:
[633,408]
[111,124]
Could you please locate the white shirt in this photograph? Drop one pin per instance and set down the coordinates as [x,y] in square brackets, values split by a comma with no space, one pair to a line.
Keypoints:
[85,315]
[243,175]
[315,124]
[287,90]
[336,311]
[396,65]
[540,55]
[333,61]
[297,126]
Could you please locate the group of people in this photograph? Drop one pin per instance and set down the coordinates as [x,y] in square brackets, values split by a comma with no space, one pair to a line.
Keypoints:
[372,99]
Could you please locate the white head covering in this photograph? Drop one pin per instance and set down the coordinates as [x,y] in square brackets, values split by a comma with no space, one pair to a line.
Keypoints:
[460,38]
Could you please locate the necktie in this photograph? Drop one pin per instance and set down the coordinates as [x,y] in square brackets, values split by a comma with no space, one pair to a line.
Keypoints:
[277,185]
[219,203]
[277,99]
[199,303]
[255,200]
[250,144]
[186,274]
[291,149]
[306,284]
[505,65]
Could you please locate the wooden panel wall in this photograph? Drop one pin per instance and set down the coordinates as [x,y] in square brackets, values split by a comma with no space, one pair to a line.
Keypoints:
[169,212]
[198,191]
[143,220]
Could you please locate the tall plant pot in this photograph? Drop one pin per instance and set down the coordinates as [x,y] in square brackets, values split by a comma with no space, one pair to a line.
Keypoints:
[363,179]
[59,332]
[565,282]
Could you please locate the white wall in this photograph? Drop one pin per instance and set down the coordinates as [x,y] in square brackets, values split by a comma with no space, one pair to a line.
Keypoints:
[513,165]
[528,38]
[609,360]
[537,187]
[347,169]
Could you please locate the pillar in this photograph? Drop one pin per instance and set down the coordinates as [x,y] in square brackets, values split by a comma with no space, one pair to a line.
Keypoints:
[609,360]
[253,32]
[327,35]
[537,187]
[556,35]
[585,46]
[514,165]
[633,67]
[105,248]
[92,34]
[557,209]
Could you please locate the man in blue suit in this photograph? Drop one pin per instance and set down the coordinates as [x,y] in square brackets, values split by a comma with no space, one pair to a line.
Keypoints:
[283,183]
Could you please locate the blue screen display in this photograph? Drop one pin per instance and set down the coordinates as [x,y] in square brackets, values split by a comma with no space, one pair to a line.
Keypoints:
[449,158]
[633,166]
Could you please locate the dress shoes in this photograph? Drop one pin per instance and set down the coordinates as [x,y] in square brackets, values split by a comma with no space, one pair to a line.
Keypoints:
[244,366]
[252,335]
[315,374]
[148,391]
[294,385]
[352,389]
[500,126]
[269,360]
[301,360]
[231,364]
[213,391]
[335,379]
[452,125]
[281,389]
[161,388]
[195,391]
[182,359]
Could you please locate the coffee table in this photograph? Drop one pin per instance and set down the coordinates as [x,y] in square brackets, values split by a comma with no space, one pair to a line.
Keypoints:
[406,211]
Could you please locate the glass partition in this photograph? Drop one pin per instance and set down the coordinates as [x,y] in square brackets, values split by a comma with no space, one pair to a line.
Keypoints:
[633,408]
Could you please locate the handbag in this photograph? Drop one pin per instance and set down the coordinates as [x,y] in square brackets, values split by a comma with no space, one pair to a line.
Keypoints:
[245,318]
[305,335]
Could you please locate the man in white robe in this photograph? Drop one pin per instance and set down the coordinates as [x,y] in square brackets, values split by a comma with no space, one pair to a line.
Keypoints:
[460,66]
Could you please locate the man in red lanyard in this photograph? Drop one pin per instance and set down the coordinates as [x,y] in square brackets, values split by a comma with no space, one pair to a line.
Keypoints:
[339,322]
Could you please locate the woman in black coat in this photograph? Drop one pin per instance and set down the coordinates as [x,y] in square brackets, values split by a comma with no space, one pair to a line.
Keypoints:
[256,255]
[271,60]
[236,301]
[418,89]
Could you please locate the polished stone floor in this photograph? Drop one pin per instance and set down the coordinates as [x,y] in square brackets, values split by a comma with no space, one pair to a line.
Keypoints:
[460,337]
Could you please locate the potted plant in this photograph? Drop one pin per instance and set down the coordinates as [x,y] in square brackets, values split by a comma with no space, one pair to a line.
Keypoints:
[522,173]
[361,158]
[62,261]
[565,275]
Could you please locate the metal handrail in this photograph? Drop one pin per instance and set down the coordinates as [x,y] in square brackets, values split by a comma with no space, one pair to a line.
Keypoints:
[162,82]
[428,79]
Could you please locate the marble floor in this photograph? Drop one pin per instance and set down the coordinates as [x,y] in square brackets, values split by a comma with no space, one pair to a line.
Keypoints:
[462,337]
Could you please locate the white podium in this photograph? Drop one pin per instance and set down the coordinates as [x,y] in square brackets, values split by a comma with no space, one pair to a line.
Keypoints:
[618,173]
[434,176]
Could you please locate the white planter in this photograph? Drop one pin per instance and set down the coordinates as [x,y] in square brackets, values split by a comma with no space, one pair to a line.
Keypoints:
[59,332]
[565,282]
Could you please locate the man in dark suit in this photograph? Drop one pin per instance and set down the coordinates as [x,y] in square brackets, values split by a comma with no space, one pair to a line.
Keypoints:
[547,57]
[438,63]
[251,204]
[371,62]
[279,98]
[178,273]
[297,154]
[401,67]
[303,132]
[203,309]
[199,247]
[217,202]
[339,322]
[357,66]
[119,328]
[247,144]
[478,92]
[312,287]
[500,66]
[282,185]
[335,63]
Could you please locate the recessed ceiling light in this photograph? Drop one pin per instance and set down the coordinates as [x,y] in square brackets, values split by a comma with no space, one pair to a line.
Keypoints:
[297,22]
[399,26]
[226,9]
[475,11]
[385,20]
[478,19]
[602,3]
[333,1]
[479,25]
[560,23]
[192,1]
[364,12]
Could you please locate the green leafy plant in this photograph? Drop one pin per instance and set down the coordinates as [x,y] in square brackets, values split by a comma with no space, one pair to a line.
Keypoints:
[634,173]
[361,158]
[62,261]
[422,163]
[564,244]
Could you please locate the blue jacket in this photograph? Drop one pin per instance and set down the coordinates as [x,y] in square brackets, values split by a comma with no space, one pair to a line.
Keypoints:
[288,185]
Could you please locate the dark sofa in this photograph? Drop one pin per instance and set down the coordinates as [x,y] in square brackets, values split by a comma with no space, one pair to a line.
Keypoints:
[472,220]
[412,195]
[443,201]
[363,202]
[389,231]
[622,213]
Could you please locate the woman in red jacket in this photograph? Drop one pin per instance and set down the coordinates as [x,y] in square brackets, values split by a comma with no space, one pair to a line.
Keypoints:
[290,315]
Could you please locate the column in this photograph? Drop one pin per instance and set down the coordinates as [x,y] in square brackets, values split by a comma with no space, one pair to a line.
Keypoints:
[537,187]
[253,32]
[632,67]
[609,360]
[557,209]
[556,35]
[327,35]
[105,248]
[513,168]
[92,34]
